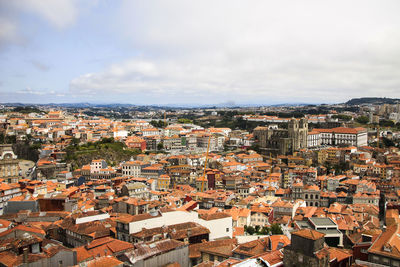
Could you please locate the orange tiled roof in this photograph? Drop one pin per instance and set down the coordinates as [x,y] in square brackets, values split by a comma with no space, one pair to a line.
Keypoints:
[309,234]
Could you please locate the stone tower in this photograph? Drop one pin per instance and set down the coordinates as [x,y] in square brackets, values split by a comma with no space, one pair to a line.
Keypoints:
[297,131]
[282,141]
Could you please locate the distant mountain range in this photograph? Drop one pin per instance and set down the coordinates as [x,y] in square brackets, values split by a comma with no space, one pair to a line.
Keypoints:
[372,101]
[228,104]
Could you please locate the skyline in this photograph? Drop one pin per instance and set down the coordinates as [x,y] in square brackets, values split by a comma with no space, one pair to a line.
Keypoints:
[198,53]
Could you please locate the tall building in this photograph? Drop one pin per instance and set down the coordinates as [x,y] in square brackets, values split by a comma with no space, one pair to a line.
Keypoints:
[344,136]
[282,141]
[306,249]
[9,168]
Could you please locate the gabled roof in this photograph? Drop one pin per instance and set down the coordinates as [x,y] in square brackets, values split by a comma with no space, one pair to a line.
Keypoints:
[195,249]
[388,243]
[309,234]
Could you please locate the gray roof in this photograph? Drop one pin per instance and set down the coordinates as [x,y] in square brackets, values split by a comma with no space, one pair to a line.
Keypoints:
[319,222]
[303,224]
[329,231]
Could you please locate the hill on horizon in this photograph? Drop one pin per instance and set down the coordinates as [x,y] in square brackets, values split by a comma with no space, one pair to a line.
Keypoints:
[372,100]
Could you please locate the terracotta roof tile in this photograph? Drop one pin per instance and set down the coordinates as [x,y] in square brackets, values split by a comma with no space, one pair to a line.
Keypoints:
[309,234]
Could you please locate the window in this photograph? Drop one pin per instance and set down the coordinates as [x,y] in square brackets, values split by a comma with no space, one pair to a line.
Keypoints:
[375,258]
[227,230]
[300,258]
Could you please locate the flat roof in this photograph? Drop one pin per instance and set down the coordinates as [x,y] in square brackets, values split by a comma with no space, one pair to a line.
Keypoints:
[318,222]
[303,224]
[330,232]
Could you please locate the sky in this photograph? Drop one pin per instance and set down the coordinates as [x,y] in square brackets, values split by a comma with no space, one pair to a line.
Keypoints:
[198,52]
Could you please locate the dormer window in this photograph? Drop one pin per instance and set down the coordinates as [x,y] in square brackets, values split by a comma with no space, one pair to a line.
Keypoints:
[387,248]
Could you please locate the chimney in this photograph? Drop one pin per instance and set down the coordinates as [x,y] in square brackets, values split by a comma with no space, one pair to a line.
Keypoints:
[25,253]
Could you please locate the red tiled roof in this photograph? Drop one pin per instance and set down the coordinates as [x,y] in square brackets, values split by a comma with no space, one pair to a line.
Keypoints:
[309,234]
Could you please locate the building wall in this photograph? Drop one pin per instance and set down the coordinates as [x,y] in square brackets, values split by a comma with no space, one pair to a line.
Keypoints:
[218,228]
[260,219]
[297,259]
[314,140]
[179,255]
[62,258]
[283,141]
[362,139]
[375,258]
[131,170]
[15,206]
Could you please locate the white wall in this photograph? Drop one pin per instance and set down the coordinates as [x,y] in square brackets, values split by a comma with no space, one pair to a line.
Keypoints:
[247,238]
[217,227]
[98,217]
[362,139]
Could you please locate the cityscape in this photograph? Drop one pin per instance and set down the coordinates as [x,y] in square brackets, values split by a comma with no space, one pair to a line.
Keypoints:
[199,134]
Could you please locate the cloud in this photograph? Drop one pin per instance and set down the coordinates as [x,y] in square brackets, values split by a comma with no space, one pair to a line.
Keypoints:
[253,51]
[8,27]
[29,91]
[8,31]
[29,95]
[60,14]
[39,65]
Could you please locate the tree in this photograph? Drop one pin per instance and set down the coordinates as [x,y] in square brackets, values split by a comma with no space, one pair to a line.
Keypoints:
[250,230]
[158,124]
[386,123]
[387,142]
[264,230]
[362,119]
[276,229]
[160,146]
[256,148]
[342,117]
[183,120]
[11,139]
[257,228]
[75,141]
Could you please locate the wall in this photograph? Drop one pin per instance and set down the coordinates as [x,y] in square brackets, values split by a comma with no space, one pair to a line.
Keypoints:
[296,259]
[217,227]
[92,218]
[179,255]
[68,258]
[16,206]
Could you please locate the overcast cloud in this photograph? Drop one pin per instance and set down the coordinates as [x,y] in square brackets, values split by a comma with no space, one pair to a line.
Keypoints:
[214,51]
